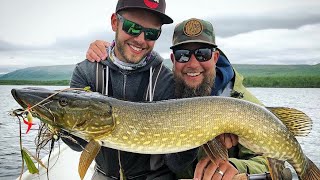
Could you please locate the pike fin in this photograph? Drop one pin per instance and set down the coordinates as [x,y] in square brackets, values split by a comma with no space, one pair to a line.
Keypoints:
[215,150]
[87,156]
[311,173]
[296,121]
[277,170]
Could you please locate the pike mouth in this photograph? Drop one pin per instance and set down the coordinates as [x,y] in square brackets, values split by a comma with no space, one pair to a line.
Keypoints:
[30,96]
[24,99]
[18,99]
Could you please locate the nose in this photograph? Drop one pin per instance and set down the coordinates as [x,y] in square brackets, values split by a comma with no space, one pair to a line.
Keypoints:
[140,38]
[193,62]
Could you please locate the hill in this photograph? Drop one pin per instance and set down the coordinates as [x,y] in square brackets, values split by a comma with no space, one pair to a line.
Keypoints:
[277,70]
[41,73]
[285,76]
[255,75]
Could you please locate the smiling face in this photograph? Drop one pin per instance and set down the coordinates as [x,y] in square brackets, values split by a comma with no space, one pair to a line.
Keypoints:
[194,78]
[132,49]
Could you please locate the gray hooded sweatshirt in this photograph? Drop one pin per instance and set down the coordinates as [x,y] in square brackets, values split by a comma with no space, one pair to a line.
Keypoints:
[132,85]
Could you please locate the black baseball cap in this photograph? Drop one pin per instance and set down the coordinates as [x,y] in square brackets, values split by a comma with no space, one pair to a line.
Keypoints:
[155,6]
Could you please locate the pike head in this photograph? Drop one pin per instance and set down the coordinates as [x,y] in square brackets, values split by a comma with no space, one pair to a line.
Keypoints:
[86,115]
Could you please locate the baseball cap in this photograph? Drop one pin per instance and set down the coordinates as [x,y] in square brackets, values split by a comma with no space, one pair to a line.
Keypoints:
[156,6]
[193,31]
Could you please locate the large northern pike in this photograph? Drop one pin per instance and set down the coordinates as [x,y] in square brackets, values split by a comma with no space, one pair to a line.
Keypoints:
[174,125]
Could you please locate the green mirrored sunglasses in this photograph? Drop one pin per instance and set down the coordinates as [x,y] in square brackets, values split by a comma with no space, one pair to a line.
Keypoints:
[135,29]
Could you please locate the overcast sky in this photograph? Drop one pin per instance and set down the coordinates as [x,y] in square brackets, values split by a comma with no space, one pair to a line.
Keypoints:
[46,32]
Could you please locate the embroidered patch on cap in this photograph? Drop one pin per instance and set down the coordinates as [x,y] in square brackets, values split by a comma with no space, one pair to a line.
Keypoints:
[153,4]
[193,28]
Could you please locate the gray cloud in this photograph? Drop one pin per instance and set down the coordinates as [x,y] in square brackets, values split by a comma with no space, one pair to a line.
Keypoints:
[5,46]
[84,41]
[81,42]
[234,28]
[236,25]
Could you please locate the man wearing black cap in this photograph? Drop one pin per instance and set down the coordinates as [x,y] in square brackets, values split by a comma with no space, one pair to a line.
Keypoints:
[132,72]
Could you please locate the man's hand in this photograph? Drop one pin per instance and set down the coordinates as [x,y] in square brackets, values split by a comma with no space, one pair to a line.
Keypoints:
[97,51]
[228,140]
[221,169]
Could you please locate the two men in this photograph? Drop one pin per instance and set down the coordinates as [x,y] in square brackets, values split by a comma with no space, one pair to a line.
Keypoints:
[200,69]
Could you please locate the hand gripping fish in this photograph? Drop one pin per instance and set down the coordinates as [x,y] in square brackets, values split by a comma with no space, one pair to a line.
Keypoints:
[174,125]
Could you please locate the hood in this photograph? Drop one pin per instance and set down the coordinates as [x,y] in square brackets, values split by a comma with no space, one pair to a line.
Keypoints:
[154,59]
[224,73]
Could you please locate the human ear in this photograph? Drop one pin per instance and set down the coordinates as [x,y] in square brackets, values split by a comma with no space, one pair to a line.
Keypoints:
[216,56]
[172,58]
[114,22]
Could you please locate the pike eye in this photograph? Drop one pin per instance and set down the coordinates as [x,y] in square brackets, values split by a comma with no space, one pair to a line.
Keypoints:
[63,101]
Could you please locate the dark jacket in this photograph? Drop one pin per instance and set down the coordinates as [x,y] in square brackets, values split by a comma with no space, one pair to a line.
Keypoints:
[131,86]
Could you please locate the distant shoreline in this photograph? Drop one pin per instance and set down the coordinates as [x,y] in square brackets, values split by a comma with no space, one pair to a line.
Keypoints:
[282,81]
[250,81]
[28,82]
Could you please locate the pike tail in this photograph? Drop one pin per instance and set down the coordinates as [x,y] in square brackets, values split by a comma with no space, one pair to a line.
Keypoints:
[312,172]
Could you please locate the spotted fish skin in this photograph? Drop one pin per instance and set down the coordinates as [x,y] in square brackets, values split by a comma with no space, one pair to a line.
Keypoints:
[167,126]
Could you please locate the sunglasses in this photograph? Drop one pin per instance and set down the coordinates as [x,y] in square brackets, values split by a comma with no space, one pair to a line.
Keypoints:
[201,54]
[135,29]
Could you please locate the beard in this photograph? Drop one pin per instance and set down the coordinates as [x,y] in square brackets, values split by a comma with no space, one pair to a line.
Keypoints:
[182,90]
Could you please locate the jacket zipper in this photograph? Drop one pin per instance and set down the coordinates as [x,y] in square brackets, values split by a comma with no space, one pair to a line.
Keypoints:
[124,85]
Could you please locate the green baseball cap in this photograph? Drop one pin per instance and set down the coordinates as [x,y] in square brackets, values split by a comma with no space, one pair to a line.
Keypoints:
[193,31]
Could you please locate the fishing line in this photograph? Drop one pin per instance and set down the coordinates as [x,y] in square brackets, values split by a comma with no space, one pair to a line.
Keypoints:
[20,141]
[81,89]
[43,137]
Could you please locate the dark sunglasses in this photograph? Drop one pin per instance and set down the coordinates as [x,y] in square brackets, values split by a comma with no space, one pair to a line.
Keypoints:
[135,29]
[201,54]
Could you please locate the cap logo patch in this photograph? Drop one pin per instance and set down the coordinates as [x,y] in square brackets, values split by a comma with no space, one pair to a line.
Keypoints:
[153,4]
[193,28]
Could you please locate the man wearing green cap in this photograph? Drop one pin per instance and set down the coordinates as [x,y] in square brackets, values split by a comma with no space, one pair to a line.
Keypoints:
[201,69]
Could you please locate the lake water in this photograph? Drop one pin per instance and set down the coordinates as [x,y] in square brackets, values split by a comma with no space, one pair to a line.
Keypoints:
[307,100]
